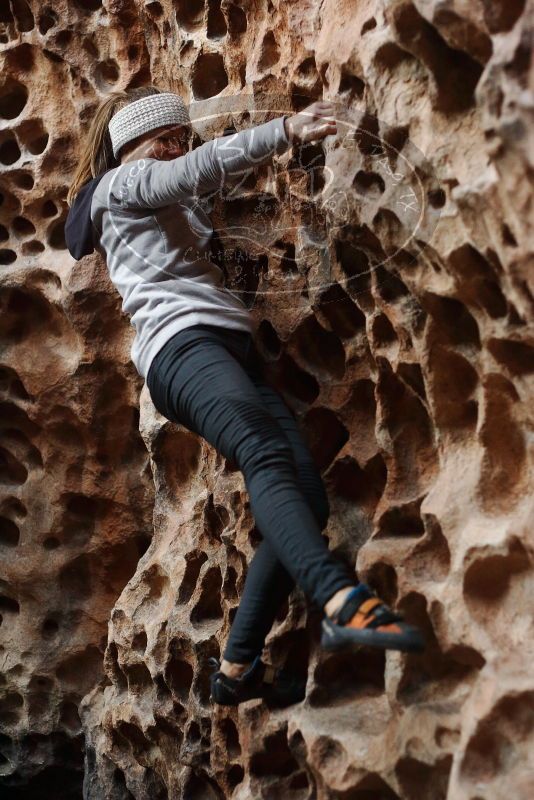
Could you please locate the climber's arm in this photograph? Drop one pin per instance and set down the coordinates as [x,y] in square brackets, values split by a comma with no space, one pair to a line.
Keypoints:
[151,183]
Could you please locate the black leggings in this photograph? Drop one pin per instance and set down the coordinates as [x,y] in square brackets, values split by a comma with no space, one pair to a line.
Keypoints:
[210,380]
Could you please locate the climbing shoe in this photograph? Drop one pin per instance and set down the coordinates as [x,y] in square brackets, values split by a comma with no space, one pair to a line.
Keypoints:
[364,619]
[277,686]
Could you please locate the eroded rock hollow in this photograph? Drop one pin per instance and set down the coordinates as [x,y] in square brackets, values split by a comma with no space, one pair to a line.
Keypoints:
[393,290]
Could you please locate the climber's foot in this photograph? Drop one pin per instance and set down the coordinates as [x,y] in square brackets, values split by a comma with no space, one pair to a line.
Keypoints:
[364,619]
[277,686]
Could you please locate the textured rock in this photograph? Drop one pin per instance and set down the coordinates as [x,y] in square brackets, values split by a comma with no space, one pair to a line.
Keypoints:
[404,349]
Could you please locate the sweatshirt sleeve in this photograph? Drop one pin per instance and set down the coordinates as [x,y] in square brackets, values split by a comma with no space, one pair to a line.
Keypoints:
[152,183]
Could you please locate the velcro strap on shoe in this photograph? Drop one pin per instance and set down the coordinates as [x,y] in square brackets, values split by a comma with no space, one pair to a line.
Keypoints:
[368,605]
[353,604]
[383,615]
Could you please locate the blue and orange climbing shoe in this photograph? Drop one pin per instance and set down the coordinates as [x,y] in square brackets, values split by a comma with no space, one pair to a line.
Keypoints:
[277,686]
[365,620]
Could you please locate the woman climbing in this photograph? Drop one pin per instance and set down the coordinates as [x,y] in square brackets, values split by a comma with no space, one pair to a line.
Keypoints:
[134,199]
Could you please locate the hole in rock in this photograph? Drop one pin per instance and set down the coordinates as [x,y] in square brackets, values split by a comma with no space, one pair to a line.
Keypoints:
[63,39]
[56,236]
[33,136]
[388,285]
[344,317]
[351,85]
[488,579]
[47,20]
[199,787]
[75,579]
[401,520]
[51,542]
[23,226]
[268,338]
[437,198]
[89,5]
[236,773]
[275,758]
[517,357]
[362,487]
[501,15]
[382,330]
[455,324]
[215,519]
[479,279]
[237,20]
[216,21]
[69,716]
[369,184]
[107,72]
[190,14]
[9,533]
[319,349]
[179,677]
[325,435]
[383,579]
[81,671]
[208,606]
[209,76]
[296,381]
[138,677]
[49,209]
[32,248]
[368,25]
[455,72]
[194,561]
[507,236]
[341,678]
[412,375]
[453,402]
[270,52]
[24,180]
[433,674]
[9,152]
[155,9]
[13,98]
[497,743]
[139,642]
[7,256]
[231,737]
[430,559]
[390,56]
[49,628]
[8,605]
[424,780]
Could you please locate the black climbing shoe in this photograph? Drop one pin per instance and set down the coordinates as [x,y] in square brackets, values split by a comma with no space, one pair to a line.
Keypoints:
[278,687]
[364,619]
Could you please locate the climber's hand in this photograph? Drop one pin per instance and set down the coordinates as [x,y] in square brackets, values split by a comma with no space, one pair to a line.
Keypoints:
[314,122]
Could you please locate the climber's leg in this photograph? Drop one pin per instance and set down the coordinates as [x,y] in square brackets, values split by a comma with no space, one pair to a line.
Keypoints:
[201,383]
[268,583]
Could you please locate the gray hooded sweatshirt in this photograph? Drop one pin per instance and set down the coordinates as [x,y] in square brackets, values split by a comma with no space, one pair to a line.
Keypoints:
[148,224]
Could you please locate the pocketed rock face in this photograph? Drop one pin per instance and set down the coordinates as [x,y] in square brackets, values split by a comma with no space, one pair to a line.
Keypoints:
[404,349]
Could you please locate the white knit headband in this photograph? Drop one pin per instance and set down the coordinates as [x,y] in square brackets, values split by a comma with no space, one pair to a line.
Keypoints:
[145,114]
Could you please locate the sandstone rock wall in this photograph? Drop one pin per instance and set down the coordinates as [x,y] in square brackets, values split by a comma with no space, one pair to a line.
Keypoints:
[405,348]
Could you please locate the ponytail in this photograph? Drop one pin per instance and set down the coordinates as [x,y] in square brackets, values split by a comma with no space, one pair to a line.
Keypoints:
[97,155]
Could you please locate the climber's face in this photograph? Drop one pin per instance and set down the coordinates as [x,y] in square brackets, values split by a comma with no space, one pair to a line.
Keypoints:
[163,143]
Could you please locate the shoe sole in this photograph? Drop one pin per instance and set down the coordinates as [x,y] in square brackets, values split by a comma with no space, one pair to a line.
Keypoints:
[343,638]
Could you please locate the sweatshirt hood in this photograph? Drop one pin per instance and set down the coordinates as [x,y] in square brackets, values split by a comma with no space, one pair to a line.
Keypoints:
[79,226]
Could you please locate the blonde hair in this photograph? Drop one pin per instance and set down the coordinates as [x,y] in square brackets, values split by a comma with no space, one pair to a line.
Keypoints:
[97,154]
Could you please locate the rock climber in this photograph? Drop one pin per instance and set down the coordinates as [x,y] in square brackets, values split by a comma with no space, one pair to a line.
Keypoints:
[135,200]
